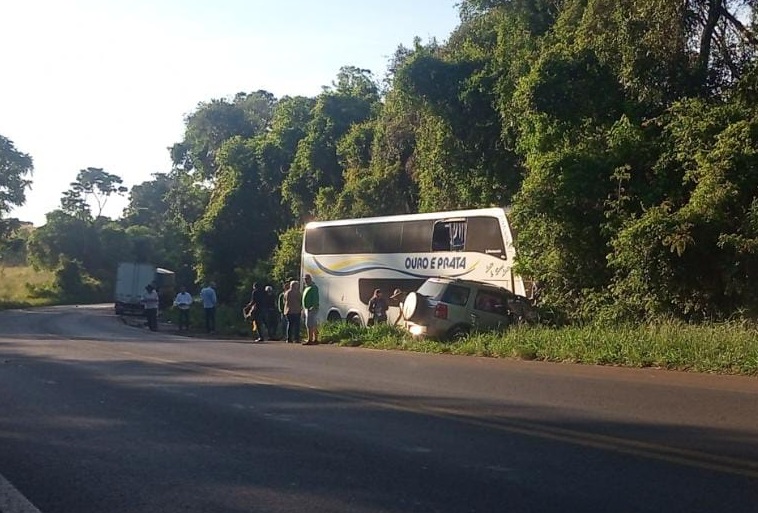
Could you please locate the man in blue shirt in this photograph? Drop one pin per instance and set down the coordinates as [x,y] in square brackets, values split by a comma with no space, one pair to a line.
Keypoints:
[208,296]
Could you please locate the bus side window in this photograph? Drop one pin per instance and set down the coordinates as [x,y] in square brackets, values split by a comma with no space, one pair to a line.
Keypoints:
[457,235]
[449,236]
[441,237]
[416,236]
[484,236]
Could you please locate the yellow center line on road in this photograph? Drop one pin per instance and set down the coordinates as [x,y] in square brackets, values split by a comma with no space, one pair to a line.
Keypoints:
[648,450]
[668,454]
[698,459]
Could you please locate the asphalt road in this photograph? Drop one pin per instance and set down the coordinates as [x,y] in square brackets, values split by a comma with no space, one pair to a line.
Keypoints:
[96,416]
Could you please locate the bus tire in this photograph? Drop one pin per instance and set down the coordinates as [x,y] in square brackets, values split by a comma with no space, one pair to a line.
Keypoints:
[414,307]
[333,316]
[354,319]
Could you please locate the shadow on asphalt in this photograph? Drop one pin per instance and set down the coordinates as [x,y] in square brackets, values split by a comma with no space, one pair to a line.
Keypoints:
[129,435]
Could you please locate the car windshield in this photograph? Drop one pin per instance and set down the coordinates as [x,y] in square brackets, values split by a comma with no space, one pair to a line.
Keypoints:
[432,289]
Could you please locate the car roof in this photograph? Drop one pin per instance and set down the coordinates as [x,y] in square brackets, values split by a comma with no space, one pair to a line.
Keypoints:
[479,284]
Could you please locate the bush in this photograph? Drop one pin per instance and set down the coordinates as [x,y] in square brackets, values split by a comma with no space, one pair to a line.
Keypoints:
[74,285]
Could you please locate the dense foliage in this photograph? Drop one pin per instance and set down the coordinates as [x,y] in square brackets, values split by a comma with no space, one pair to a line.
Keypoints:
[15,166]
[623,134]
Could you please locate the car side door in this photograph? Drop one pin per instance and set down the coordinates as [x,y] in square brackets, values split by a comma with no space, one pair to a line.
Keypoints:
[490,309]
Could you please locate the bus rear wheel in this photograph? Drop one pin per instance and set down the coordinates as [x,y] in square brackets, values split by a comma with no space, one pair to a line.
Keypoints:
[354,319]
[333,316]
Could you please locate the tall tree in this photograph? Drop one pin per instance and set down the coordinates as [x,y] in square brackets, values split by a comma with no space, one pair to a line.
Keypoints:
[663,50]
[15,166]
[13,250]
[214,122]
[161,213]
[66,235]
[538,15]
[461,158]
[91,184]
[353,100]
[239,227]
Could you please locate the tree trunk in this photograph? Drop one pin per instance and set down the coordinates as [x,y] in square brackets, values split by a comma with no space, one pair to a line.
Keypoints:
[715,8]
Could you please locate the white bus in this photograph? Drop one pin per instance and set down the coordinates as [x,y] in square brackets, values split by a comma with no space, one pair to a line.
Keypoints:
[350,258]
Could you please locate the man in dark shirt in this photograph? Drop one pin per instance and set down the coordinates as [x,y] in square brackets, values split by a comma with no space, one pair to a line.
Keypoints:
[270,313]
[257,307]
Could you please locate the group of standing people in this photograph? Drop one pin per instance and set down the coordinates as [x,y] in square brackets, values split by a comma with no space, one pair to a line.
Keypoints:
[378,306]
[290,307]
[267,313]
[183,301]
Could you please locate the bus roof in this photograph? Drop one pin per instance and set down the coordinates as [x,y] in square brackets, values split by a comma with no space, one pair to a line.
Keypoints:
[493,211]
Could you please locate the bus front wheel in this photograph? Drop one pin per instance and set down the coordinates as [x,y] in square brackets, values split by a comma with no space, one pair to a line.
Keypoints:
[333,316]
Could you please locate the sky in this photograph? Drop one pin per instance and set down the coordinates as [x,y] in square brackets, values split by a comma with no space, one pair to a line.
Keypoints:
[108,83]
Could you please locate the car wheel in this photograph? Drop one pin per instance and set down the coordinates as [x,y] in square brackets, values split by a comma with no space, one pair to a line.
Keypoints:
[414,307]
[458,332]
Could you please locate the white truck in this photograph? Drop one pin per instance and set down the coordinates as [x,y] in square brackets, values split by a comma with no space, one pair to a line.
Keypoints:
[131,280]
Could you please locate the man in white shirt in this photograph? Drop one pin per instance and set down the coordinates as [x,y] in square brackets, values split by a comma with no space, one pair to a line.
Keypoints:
[150,302]
[183,301]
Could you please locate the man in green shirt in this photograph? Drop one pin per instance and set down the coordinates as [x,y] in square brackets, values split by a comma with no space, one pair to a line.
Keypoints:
[310,307]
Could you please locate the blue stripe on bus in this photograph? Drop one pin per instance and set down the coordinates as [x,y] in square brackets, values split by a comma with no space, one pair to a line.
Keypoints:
[357,270]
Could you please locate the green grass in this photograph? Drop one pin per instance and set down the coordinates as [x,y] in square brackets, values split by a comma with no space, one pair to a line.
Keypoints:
[382,336]
[728,348]
[15,284]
